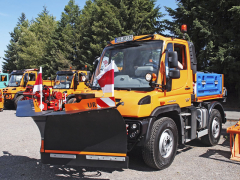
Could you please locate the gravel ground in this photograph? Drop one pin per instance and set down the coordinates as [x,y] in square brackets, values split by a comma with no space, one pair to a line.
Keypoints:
[19,158]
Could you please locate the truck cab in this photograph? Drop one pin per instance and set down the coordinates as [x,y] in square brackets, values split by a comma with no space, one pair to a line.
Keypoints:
[70,82]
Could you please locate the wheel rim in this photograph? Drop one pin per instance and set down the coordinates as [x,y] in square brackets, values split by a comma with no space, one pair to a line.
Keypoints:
[215,127]
[166,143]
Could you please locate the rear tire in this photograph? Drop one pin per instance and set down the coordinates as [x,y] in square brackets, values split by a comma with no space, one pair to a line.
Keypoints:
[19,98]
[72,100]
[160,150]
[214,131]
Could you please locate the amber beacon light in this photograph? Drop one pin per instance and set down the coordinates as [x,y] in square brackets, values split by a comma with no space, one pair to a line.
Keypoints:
[184,28]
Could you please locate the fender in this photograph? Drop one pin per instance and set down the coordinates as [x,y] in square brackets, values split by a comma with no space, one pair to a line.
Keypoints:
[17,94]
[157,112]
[69,97]
[217,105]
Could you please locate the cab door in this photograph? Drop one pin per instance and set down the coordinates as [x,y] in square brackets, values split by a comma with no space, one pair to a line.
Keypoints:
[181,83]
[31,77]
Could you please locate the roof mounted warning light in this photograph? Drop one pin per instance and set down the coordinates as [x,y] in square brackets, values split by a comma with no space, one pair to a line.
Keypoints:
[184,28]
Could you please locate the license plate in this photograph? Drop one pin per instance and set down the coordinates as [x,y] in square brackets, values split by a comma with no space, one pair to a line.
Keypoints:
[123,39]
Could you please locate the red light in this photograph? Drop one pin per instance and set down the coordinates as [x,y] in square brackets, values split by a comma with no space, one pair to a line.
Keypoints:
[184,28]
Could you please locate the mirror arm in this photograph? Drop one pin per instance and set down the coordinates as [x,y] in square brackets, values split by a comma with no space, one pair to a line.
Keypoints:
[158,86]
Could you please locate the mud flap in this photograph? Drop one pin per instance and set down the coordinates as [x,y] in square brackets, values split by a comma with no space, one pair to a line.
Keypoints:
[93,138]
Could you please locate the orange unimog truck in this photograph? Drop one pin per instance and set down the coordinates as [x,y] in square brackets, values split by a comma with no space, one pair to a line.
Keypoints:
[71,82]
[158,106]
[18,81]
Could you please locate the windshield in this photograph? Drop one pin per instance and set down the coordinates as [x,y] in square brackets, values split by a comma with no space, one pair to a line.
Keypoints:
[63,81]
[15,80]
[133,60]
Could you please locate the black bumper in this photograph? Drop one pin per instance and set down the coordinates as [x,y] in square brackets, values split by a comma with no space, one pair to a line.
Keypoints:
[81,160]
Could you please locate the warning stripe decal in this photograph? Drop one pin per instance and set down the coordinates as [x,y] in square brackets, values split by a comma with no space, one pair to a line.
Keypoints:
[106,102]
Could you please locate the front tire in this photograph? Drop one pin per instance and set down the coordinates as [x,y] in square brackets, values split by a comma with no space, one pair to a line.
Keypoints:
[72,100]
[161,149]
[214,131]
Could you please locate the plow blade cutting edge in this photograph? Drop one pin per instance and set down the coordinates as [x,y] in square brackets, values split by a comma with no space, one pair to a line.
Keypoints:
[93,138]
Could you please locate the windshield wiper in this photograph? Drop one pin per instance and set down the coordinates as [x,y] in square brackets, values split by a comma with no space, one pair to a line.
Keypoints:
[119,88]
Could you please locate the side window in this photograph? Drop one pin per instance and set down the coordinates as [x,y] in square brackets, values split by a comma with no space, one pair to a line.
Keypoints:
[181,51]
[170,47]
[3,78]
[32,77]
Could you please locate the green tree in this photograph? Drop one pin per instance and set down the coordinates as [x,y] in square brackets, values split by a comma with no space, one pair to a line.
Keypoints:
[37,45]
[69,35]
[11,56]
[214,29]
[103,20]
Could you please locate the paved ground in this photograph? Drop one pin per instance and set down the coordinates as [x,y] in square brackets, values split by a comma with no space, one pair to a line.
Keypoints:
[19,158]
[232,114]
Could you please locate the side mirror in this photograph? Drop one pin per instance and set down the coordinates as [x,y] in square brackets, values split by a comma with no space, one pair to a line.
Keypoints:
[95,63]
[25,78]
[173,59]
[174,73]
[25,81]
[5,84]
[89,75]
[75,81]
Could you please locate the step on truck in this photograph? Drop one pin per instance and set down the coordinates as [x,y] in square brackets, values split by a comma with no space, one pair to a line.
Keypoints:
[19,80]
[156,106]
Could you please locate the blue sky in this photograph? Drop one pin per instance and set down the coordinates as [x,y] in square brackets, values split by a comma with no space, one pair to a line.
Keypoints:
[10,11]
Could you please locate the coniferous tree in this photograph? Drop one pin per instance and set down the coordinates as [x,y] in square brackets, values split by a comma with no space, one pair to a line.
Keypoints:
[11,57]
[103,20]
[68,35]
[37,46]
[213,27]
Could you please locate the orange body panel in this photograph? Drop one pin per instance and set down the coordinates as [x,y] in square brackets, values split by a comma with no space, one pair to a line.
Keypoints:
[235,141]
[88,104]
[1,100]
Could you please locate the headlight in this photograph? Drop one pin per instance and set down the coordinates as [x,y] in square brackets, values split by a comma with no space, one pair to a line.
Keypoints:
[151,77]
[148,77]
[133,129]
[134,126]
